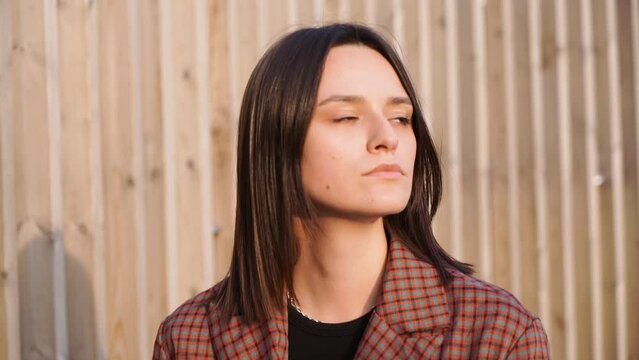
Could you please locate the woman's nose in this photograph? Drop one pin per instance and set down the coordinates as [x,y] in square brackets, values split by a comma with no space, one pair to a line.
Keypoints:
[382,135]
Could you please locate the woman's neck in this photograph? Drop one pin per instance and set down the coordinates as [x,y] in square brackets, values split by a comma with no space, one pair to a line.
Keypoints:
[338,275]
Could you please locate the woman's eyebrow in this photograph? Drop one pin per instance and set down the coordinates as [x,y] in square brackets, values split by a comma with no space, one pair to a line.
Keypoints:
[398,100]
[342,98]
[395,100]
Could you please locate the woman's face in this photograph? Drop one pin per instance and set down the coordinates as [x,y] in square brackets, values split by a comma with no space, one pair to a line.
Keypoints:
[360,147]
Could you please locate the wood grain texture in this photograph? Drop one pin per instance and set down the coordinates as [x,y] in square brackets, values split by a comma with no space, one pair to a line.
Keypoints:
[118,130]
[482,148]
[549,68]
[438,105]
[497,171]
[617,180]
[631,119]
[579,184]
[566,177]
[79,215]
[32,181]
[606,283]
[120,183]
[220,133]
[357,10]
[410,43]
[468,132]
[453,141]
[525,150]
[512,157]
[154,169]
[188,162]
[4,343]
[9,301]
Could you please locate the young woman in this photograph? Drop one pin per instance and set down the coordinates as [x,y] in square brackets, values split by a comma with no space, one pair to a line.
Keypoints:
[334,254]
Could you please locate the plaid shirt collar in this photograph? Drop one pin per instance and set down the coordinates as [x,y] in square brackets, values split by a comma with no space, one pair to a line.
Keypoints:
[410,318]
[412,299]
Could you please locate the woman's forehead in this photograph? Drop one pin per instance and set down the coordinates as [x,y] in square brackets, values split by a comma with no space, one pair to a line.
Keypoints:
[358,71]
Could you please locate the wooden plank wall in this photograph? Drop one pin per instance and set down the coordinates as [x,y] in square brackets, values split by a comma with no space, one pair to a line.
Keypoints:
[118,126]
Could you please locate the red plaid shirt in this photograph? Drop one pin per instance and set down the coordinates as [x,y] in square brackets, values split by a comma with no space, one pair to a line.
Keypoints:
[415,317]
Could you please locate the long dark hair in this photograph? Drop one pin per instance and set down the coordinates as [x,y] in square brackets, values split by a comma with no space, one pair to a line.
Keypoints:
[276,109]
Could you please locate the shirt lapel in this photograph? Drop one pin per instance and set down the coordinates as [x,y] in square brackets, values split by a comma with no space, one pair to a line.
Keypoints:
[412,315]
[256,341]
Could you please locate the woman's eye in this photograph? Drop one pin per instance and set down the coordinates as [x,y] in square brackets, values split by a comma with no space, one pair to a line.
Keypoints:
[402,120]
[345,118]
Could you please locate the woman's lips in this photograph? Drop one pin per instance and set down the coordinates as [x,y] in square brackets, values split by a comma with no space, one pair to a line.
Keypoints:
[386,171]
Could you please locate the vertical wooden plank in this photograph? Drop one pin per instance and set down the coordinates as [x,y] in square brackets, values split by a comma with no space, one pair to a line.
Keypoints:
[498,167]
[397,24]
[154,170]
[579,186]
[221,130]
[318,11]
[305,13]
[188,162]
[261,25]
[330,11]
[425,62]
[539,163]
[277,22]
[485,266]
[383,20]
[424,21]
[246,53]
[5,53]
[4,112]
[453,141]
[512,152]
[549,56]
[32,180]
[617,180]
[525,162]
[79,217]
[604,180]
[357,11]
[370,12]
[343,10]
[632,161]
[9,281]
[468,131]
[439,29]
[120,182]
[5,116]
[203,56]
[595,177]
[168,112]
[140,237]
[235,92]
[566,178]
[53,108]
[411,44]
[97,179]
[411,39]
[292,17]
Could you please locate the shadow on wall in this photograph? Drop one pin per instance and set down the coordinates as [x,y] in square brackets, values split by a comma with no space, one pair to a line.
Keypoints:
[37,294]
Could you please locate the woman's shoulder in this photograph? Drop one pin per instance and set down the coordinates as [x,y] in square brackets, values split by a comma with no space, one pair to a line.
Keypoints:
[192,309]
[186,329]
[494,319]
[468,292]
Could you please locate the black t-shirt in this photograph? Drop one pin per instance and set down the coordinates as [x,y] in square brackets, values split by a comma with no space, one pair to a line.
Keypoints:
[308,339]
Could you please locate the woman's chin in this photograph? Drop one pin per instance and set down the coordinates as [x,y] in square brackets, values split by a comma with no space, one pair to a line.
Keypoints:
[370,213]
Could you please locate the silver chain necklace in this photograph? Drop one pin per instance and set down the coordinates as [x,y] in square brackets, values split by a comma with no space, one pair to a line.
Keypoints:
[297,308]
